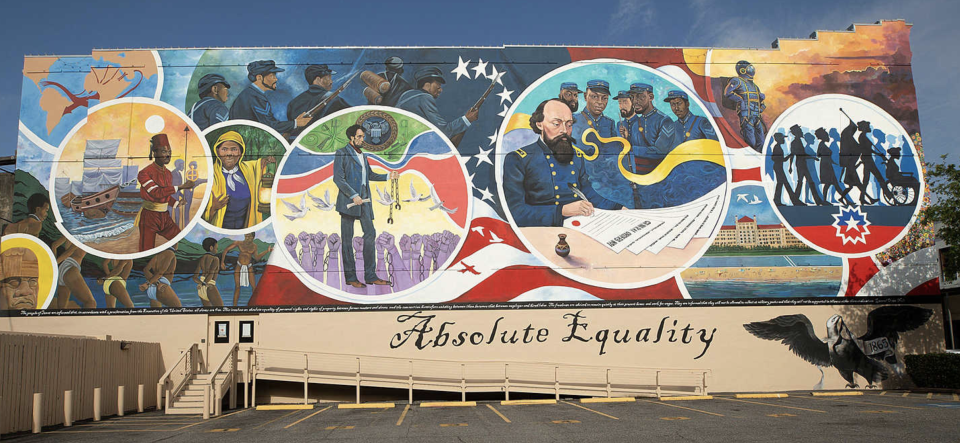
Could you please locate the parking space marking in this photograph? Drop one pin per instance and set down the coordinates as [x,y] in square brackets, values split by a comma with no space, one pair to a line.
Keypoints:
[452,425]
[225,430]
[956,397]
[331,428]
[864,402]
[883,393]
[217,418]
[674,418]
[495,411]
[905,394]
[784,414]
[879,412]
[591,410]
[682,407]
[929,394]
[278,418]
[304,418]
[564,422]
[773,404]
[402,415]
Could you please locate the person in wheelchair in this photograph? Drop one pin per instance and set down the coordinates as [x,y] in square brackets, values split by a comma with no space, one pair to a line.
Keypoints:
[902,185]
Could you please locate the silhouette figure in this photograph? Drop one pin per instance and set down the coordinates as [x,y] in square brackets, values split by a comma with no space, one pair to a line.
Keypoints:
[800,159]
[828,177]
[776,155]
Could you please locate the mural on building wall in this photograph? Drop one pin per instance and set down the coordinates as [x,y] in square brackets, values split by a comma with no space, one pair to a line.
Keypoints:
[466,175]
[871,355]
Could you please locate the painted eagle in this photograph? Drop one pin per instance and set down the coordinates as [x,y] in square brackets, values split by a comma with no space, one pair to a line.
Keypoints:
[841,350]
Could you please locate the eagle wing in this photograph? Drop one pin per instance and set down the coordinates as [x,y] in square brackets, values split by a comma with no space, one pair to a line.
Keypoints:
[890,321]
[796,332]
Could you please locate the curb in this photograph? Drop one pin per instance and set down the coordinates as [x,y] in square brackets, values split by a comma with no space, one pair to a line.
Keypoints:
[527,402]
[364,405]
[447,404]
[688,397]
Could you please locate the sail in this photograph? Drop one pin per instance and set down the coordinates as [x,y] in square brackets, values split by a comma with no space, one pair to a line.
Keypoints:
[61,186]
[101,167]
[76,188]
[101,149]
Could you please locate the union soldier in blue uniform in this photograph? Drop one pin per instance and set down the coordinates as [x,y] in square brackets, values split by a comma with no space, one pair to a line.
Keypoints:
[320,79]
[597,97]
[538,178]
[210,109]
[393,72]
[746,95]
[570,94]
[423,102]
[650,133]
[688,125]
[252,102]
[627,113]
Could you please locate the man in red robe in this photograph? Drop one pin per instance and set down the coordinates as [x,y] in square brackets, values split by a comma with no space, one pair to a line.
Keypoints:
[157,192]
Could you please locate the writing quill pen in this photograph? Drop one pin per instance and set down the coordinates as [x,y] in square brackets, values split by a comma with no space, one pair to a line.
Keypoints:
[577,192]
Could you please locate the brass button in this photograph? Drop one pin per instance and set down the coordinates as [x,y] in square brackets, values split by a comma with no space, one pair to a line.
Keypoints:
[558,197]
[573,172]
[556,187]
[556,203]
[554,172]
[551,165]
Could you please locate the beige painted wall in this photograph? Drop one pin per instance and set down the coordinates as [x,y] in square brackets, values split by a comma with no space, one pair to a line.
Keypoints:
[738,360]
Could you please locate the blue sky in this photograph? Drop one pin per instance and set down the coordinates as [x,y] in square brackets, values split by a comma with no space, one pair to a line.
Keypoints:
[77,27]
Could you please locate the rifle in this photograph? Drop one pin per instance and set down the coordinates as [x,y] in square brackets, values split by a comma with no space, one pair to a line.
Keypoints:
[323,103]
[457,138]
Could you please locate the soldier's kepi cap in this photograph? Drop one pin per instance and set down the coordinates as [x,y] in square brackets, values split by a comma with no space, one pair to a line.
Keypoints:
[261,67]
[206,82]
[599,85]
[676,94]
[429,72]
[622,95]
[571,86]
[315,71]
[640,87]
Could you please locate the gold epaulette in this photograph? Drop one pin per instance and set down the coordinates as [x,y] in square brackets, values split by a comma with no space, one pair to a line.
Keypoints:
[521,153]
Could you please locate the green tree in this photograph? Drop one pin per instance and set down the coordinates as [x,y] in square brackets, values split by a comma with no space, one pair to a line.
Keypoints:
[944,181]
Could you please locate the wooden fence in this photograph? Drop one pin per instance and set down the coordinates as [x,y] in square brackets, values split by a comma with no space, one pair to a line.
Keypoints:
[52,364]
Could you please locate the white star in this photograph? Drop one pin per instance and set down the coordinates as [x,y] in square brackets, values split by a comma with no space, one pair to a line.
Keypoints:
[464,159]
[461,68]
[480,69]
[505,95]
[504,112]
[483,156]
[493,73]
[470,179]
[499,79]
[493,138]
[485,194]
[852,223]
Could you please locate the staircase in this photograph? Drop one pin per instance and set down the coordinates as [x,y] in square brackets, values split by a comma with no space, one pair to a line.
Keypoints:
[188,388]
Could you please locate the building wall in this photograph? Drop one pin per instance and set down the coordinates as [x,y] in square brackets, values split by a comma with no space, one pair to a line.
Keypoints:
[472,214]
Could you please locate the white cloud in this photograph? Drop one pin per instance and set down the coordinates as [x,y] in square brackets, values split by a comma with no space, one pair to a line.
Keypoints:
[631,16]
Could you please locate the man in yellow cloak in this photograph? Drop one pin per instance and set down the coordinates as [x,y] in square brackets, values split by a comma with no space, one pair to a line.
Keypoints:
[235,197]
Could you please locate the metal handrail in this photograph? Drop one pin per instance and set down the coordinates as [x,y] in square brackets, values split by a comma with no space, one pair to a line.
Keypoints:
[190,370]
[217,389]
[661,380]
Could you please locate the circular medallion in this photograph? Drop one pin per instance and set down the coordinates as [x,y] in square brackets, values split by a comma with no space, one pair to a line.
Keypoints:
[380,130]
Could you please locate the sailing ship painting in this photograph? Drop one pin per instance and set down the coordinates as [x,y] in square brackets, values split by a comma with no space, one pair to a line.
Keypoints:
[106,200]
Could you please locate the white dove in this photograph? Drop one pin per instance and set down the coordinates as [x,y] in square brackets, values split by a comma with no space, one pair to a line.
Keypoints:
[756,200]
[438,204]
[385,198]
[322,203]
[298,212]
[742,197]
[416,196]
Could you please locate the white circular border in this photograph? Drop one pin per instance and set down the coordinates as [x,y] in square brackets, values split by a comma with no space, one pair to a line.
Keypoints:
[769,186]
[287,149]
[341,295]
[536,252]
[66,139]
[55,267]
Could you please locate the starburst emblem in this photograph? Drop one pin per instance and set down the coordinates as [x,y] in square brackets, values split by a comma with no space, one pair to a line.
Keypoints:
[852,225]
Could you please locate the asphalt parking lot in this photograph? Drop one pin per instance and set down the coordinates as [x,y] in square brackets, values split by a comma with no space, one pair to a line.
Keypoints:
[873,416]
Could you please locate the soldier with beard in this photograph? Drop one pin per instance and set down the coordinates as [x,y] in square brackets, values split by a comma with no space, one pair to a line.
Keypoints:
[570,94]
[537,179]
[627,113]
